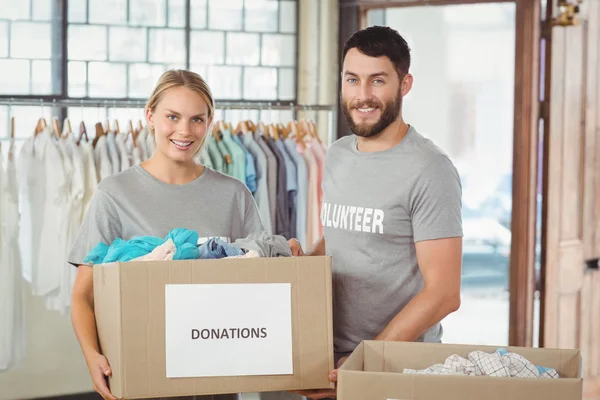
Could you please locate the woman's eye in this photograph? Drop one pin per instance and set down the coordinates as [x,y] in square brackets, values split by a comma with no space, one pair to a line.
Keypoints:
[198,120]
[172,117]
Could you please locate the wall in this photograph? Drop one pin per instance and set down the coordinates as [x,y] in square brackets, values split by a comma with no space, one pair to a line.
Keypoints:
[53,364]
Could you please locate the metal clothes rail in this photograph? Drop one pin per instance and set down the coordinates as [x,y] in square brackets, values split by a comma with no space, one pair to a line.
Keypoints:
[140,103]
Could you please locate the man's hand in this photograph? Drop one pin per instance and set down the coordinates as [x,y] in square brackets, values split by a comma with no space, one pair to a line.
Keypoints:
[324,393]
[295,247]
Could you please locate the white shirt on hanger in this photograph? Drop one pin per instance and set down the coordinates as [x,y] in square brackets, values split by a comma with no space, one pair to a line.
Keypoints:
[26,163]
[90,176]
[49,192]
[141,144]
[113,152]
[103,163]
[123,153]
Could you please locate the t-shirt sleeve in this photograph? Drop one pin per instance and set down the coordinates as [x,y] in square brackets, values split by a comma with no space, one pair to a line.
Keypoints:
[436,202]
[252,220]
[100,225]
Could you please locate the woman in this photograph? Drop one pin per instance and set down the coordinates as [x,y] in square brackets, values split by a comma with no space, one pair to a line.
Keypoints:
[169,190]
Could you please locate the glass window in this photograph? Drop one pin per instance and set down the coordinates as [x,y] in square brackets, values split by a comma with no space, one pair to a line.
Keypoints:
[87,42]
[260,83]
[4,39]
[207,48]
[198,14]
[225,15]
[261,15]
[106,11]
[167,45]
[243,48]
[107,79]
[473,124]
[117,47]
[30,40]
[287,16]
[127,44]
[147,12]
[225,82]
[279,50]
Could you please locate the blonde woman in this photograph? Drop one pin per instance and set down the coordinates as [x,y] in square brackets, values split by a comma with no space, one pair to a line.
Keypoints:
[169,190]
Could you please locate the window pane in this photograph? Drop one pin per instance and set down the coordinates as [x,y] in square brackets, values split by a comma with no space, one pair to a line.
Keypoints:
[147,12]
[77,10]
[87,42]
[30,40]
[4,39]
[225,14]
[474,103]
[201,70]
[167,45]
[260,83]
[207,48]
[41,75]
[77,79]
[243,48]
[107,80]
[14,78]
[261,16]
[225,82]
[108,11]
[287,84]
[14,10]
[42,10]
[127,44]
[287,16]
[143,78]
[279,50]
[198,14]
[177,13]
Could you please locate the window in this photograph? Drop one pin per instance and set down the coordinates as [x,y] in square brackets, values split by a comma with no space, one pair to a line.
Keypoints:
[118,48]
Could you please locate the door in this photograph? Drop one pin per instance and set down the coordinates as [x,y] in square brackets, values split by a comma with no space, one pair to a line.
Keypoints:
[571,212]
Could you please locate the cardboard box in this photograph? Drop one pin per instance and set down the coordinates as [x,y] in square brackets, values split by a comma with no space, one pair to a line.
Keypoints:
[180,328]
[374,372]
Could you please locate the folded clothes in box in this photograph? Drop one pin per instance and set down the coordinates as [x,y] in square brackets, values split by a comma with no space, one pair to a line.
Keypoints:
[379,370]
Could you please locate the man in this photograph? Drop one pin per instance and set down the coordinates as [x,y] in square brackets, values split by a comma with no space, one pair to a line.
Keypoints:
[391,209]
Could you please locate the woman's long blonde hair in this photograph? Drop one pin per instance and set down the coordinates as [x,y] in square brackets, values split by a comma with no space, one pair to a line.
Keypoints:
[188,79]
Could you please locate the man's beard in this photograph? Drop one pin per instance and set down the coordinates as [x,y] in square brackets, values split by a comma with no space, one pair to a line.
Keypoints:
[389,114]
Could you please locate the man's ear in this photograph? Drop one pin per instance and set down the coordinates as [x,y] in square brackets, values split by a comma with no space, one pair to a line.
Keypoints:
[406,84]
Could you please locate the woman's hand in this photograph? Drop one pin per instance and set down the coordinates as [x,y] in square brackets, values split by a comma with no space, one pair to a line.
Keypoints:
[99,370]
[295,247]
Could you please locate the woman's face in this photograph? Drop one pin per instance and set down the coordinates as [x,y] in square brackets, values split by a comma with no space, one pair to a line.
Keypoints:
[180,121]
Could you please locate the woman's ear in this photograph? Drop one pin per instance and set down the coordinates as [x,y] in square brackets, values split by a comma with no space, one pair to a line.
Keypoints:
[150,118]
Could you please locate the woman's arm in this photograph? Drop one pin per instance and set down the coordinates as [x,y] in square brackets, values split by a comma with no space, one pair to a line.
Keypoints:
[84,324]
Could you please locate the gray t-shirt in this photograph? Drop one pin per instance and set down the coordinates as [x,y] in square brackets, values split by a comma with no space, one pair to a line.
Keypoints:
[375,207]
[134,203]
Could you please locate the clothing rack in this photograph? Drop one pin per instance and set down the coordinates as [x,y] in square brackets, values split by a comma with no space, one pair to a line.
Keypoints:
[140,103]
[107,103]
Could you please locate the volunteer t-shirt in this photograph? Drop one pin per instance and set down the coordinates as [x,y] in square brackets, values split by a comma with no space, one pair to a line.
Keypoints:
[376,206]
[134,203]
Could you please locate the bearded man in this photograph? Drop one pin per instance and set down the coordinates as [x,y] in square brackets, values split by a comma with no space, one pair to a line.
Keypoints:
[391,209]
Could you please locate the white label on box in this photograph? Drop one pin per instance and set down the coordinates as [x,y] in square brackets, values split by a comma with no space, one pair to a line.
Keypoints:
[228,330]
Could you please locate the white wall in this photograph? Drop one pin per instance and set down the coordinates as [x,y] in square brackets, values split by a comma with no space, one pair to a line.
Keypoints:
[53,364]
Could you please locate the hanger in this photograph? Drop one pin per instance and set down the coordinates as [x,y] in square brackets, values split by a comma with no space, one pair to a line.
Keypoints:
[99,133]
[132,132]
[67,130]
[56,127]
[41,125]
[12,127]
[273,132]
[82,133]
[117,130]
[216,133]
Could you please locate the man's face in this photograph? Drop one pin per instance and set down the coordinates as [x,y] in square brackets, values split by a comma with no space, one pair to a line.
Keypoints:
[372,93]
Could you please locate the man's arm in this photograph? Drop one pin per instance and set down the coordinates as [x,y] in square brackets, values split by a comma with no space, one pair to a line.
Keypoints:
[440,262]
